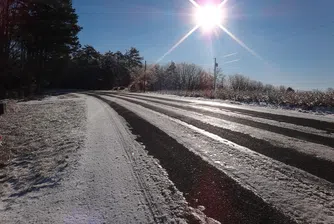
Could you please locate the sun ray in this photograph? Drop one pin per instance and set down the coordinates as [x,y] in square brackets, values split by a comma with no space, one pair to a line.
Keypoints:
[179,42]
[194,3]
[204,22]
[222,4]
[229,55]
[228,62]
[242,44]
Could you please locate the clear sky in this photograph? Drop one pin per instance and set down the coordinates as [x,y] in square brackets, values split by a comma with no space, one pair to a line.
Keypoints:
[295,38]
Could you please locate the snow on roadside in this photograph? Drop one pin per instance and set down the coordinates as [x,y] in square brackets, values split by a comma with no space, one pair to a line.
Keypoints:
[40,139]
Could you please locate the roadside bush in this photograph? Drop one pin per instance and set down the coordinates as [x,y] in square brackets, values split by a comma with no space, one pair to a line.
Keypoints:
[308,100]
[192,81]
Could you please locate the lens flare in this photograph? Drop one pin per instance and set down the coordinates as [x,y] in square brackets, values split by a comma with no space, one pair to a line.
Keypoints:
[178,43]
[222,3]
[229,55]
[209,17]
[228,62]
[242,44]
[194,3]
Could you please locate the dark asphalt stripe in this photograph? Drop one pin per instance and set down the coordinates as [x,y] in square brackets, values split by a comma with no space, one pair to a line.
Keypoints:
[201,183]
[272,128]
[321,125]
[314,165]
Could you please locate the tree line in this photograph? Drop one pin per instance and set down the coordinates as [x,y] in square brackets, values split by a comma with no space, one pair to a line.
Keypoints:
[39,48]
[191,80]
[181,76]
[191,77]
[89,69]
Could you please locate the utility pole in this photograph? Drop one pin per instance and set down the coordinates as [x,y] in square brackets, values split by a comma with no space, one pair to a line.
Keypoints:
[215,75]
[145,78]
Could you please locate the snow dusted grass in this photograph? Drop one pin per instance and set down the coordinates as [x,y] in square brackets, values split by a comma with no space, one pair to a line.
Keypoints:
[40,139]
[305,100]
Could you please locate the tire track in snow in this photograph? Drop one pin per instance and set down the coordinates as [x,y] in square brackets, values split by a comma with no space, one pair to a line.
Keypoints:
[318,124]
[156,212]
[301,196]
[279,130]
[314,165]
[224,199]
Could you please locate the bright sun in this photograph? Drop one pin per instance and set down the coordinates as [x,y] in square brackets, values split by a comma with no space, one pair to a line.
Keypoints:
[208,17]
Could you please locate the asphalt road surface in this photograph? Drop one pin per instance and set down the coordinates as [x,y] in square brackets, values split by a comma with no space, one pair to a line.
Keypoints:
[236,160]
[152,158]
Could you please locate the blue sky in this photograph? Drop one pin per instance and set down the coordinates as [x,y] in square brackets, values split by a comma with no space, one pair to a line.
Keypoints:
[295,38]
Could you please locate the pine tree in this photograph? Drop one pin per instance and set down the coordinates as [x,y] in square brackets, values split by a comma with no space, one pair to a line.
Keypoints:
[133,59]
[54,33]
[35,37]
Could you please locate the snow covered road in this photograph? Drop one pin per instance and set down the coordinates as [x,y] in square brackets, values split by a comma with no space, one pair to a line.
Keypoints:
[114,181]
[148,158]
[288,171]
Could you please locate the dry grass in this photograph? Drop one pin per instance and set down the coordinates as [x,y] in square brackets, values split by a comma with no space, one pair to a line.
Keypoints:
[307,100]
[179,78]
[39,140]
[68,96]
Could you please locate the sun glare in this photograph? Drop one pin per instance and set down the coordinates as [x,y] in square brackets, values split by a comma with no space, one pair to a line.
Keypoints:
[208,17]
